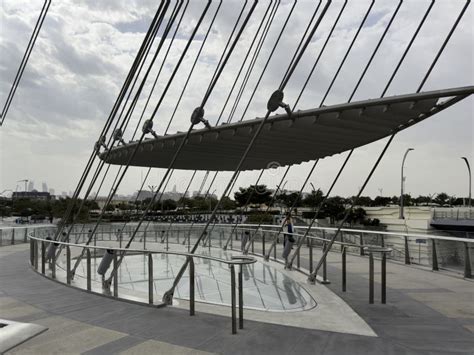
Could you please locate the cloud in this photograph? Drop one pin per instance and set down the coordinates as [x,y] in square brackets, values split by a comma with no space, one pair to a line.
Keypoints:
[86,48]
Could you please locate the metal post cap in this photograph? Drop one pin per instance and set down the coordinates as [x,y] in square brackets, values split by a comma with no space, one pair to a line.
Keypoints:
[147,126]
[275,101]
[198,115]
[118,134]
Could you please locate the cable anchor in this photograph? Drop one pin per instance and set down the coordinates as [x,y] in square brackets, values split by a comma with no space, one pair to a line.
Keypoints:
[198,117]
[148,128]
[100,143]
[276,101]
[118,136]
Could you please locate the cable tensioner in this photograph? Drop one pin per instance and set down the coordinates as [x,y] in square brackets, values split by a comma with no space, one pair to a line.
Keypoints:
[198,117]
[276,101]
[148,128]
[100,143]
[118,136]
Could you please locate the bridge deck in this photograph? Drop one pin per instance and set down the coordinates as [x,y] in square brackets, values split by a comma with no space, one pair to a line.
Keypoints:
[426,312]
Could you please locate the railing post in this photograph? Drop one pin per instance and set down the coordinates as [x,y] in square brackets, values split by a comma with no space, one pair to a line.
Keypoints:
[275,250]
[144,239]
[53,266]
[371,278]
[325,275]
[88,271]
[36,254]
[434,256]
[115,279]
[150,278]
[383,240]
[298,258]
[68,265]
[191,286]
[344,269]
[13,236]
[310,255]
[43,257]
[361,243]
[384,278]
[233,300]
[32,249]
[241,300]
[467,262]
[26,235]
[407,251]
[263,243]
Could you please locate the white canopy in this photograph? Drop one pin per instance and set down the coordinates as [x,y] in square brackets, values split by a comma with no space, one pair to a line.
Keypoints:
[305,136]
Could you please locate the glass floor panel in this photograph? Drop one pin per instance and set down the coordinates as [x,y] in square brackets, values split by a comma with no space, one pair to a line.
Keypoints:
[264,287]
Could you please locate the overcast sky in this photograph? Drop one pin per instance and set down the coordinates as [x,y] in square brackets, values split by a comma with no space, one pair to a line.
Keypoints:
[86,47]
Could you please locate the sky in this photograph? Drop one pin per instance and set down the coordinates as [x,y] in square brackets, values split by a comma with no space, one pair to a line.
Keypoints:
[85,49]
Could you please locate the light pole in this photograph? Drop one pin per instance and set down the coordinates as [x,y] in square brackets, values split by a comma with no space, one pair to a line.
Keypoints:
[469,170]
[402,181]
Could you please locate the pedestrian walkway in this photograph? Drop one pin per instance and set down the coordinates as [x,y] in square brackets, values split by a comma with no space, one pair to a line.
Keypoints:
[426,313]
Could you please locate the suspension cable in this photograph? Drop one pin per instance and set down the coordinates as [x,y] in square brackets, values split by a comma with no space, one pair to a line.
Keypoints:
[24,60]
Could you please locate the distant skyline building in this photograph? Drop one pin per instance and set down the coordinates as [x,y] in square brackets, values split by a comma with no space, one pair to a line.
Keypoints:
[31,185]
[44,187]
[51,191]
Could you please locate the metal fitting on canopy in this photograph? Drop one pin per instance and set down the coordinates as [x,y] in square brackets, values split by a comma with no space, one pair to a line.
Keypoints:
[198,117]
[148,128]
[276,101]
[118,136]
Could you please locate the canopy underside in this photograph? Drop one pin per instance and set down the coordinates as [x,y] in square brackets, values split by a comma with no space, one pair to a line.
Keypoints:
[306,135]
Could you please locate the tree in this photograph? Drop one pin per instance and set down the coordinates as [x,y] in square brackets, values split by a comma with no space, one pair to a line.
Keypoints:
[227,203]
[290,199]
[442,199]
[363,201]
[381,201]
[333,208]
[254,194]
[313,199]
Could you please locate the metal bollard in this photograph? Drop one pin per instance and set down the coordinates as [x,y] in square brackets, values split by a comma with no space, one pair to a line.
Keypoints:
[384,278]
[434,256]
[241,300]
[68,265]
[325,274]
[233,300]
[43,257]
[467,262]
[115,276]
[344,280]
[88,271]
[53,266]
[361,243]
[407,252]
[371,278]
[150,278]
[35,251]
[32,251]
[191,286]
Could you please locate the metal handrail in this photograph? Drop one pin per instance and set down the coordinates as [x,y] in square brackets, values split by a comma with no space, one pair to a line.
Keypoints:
[365,231]
[238,261]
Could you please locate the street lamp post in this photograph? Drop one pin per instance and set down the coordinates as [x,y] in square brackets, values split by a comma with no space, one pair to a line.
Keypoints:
[469,170]
[402,181]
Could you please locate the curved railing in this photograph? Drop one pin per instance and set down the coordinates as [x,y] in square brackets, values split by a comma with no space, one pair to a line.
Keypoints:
[44,252]
[172,238]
